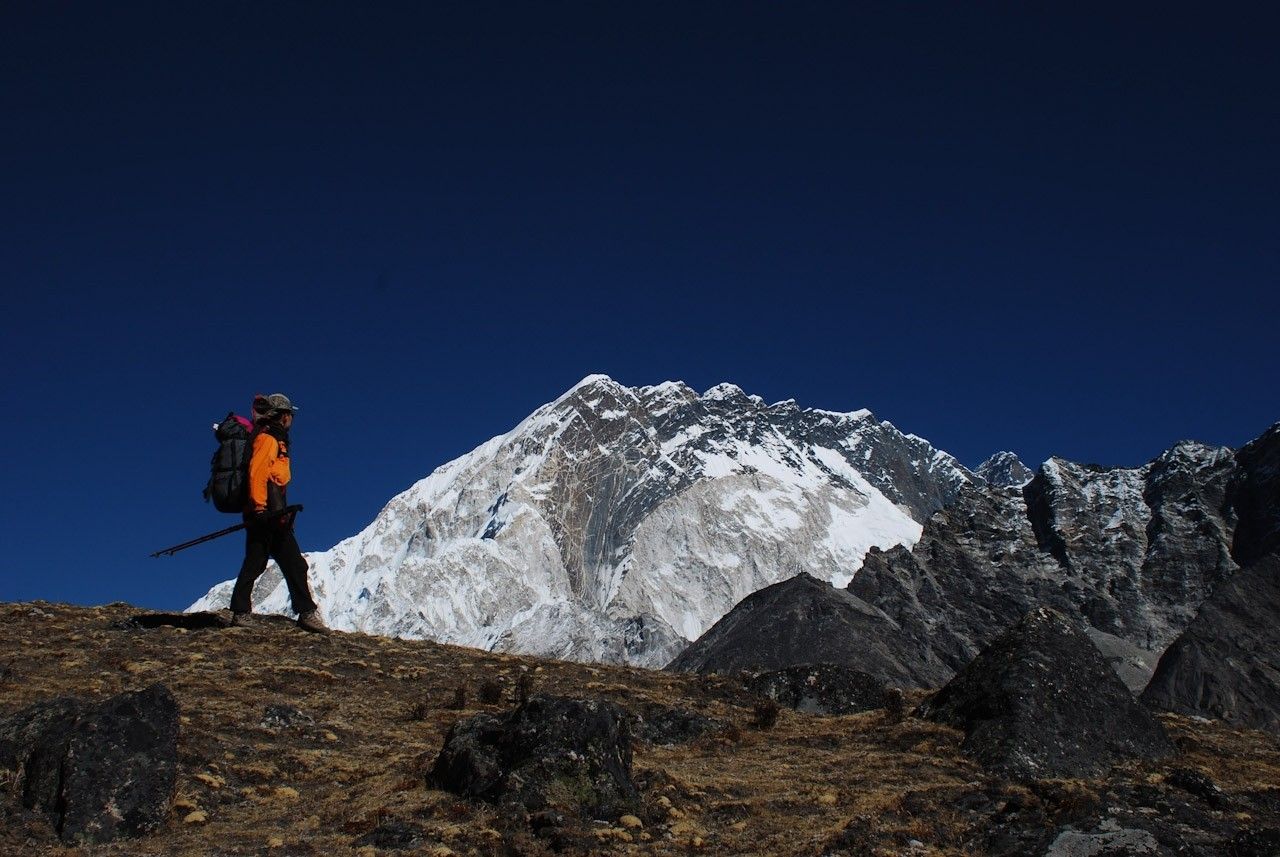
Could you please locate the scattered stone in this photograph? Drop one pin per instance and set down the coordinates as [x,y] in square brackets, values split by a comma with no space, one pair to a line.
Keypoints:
[546,818]
[1226,664]
[821,688]
[393,834]
[1041,702]
[100,771]
[1256,843]
[1196,783]
[286,717]
[552,752]
[1108,841]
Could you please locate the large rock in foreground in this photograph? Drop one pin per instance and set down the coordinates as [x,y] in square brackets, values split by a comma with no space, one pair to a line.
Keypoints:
[1041,702]
[551,753]
[1227,663]
[805,620]
[100,771]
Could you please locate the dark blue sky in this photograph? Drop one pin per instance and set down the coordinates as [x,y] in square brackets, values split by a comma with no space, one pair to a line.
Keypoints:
[1000,228]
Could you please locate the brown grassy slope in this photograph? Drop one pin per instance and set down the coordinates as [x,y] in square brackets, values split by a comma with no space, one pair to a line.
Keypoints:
[381,707]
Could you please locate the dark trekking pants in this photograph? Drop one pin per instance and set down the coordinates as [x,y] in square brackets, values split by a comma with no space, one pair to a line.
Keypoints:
[275,540]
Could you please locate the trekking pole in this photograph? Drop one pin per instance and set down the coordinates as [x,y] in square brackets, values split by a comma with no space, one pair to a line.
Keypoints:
[228,531]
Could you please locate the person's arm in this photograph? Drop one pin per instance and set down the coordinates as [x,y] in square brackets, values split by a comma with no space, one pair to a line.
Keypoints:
[265,450]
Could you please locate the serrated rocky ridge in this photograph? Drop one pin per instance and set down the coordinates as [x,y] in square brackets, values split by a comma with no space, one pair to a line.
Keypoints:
[1132,551]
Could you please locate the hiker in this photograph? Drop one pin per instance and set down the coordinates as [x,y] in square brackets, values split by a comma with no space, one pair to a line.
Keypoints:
[272,536]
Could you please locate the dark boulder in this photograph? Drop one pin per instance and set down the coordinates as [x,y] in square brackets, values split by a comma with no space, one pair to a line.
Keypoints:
[393,835]
[803,620]
[551,753]
[1041,702]
[1227,663]
[821,689]
[661,724]
[100,771]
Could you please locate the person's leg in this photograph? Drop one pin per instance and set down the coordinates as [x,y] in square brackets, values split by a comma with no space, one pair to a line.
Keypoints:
[293,565]
[256,548]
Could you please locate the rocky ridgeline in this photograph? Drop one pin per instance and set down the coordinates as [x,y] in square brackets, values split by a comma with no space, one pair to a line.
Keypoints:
[1134,552]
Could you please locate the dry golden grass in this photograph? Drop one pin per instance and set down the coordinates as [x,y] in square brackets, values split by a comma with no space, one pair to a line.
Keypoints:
[381,708]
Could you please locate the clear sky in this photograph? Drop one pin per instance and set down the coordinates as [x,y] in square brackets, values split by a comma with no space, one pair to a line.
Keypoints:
[1052,230]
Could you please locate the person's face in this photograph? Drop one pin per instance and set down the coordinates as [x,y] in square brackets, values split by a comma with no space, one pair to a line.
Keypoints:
[286,420]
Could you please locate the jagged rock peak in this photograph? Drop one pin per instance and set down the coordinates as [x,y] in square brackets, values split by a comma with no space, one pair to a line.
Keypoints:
[1042,702]
[805,620]
[1005,470]
[597,391]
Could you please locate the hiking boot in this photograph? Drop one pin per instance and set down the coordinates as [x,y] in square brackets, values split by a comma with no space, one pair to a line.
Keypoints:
[241,620]
[311,621]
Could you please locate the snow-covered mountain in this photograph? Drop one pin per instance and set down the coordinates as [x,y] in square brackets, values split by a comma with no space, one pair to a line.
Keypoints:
[617,524]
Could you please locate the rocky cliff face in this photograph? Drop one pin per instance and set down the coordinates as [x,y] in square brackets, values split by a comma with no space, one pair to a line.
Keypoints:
[1255,498]
[617,524]
[1226,664]
[1134,551]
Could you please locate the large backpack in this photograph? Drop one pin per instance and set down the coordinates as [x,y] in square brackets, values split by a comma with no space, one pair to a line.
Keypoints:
[229,470]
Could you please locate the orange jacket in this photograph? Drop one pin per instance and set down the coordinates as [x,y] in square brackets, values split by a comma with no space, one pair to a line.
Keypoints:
[268,473]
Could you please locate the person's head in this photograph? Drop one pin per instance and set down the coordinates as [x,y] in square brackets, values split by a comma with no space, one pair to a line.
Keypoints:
[275,408]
